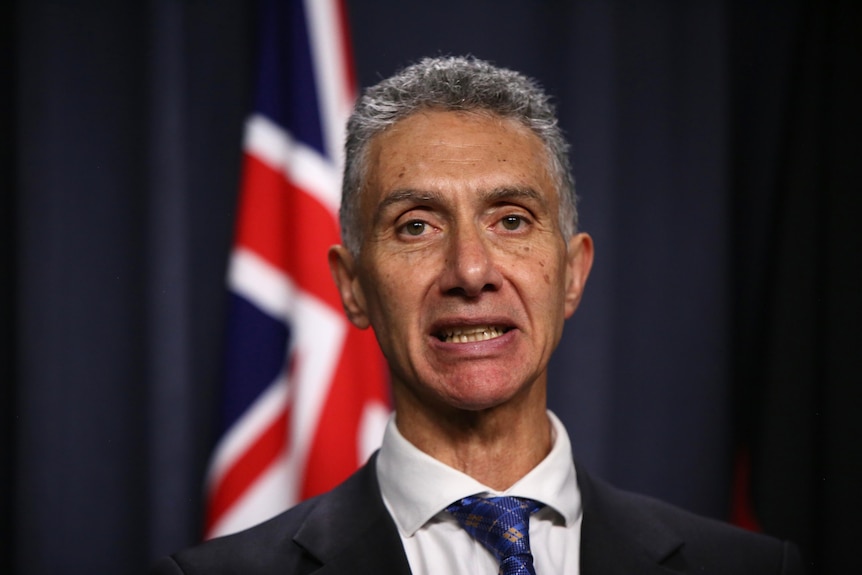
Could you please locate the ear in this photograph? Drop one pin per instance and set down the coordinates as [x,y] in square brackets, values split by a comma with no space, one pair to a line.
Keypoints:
[342,266]
[578,265]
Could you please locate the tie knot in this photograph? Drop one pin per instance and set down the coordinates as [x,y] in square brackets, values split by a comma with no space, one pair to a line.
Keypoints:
[501,524]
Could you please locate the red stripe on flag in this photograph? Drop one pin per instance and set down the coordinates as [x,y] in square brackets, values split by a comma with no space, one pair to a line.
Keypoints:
[360,378]
[247,468]
[289,228]
[346,53]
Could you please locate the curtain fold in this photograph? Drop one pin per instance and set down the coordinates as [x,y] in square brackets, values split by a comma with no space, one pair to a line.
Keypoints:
[797,275]
[121,243]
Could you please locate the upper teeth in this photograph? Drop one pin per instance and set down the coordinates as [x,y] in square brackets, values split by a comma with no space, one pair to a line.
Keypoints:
[471,334]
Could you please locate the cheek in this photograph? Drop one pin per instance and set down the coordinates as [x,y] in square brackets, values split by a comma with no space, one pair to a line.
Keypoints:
[542,267]
[533,262]
[407,272]
[393,288]
[543,280]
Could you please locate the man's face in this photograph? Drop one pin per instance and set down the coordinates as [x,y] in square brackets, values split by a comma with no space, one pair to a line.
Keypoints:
[463,271]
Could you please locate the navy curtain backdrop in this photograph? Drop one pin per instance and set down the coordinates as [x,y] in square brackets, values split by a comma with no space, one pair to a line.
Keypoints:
[715,147]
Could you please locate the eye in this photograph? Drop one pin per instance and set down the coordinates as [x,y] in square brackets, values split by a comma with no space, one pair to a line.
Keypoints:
[414,228]
[512,223]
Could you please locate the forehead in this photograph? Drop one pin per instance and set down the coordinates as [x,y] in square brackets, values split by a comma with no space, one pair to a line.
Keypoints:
[457,149]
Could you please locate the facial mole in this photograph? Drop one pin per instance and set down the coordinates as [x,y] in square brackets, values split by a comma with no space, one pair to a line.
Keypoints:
[547,278]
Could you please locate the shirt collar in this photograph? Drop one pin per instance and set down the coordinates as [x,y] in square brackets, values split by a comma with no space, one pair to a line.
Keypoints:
[416,487]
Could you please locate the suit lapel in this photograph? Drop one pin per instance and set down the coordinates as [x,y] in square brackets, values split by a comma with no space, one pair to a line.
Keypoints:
[351,531]
[618,538]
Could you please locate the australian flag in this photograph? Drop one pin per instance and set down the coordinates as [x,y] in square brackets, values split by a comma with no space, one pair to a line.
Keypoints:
[305,397]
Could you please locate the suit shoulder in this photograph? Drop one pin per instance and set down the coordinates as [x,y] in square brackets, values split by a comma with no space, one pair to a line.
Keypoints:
[282,544]
[679,538]
[693,526]
[263,549]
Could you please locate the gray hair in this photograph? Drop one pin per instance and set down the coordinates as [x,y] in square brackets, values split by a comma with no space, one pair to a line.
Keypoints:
[452,84]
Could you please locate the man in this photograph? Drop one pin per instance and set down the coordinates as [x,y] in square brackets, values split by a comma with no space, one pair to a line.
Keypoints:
[461,252]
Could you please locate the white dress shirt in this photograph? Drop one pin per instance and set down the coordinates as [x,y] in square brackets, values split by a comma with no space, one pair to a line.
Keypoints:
[417,489]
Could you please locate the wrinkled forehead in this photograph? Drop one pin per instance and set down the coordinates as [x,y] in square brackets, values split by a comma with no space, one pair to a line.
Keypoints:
[457,144]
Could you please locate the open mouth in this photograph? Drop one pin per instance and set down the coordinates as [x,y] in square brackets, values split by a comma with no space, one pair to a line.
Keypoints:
[471,334]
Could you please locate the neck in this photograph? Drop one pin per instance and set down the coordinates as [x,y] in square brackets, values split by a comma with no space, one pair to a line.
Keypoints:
[495,446]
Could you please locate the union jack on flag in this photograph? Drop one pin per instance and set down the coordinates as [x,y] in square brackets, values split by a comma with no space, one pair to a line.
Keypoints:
[305,397]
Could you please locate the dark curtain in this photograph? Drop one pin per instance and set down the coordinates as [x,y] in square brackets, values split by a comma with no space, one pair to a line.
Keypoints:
[129,128]
[798,274]
[8,165]
[713,144]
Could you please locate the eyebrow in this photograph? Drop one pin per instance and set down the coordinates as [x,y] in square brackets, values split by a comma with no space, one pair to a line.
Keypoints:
[403,196]
[409,195]
[517,193]
[495,195]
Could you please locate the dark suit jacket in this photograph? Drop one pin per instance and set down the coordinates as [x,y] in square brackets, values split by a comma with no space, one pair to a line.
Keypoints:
[349,531]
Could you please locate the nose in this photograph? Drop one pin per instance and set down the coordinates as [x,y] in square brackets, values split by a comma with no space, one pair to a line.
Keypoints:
[470,267]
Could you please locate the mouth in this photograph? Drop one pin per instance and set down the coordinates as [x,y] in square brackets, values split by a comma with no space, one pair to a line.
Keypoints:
[471,334]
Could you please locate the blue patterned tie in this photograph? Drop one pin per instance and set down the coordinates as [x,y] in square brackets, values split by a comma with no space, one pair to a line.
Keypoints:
[501,524]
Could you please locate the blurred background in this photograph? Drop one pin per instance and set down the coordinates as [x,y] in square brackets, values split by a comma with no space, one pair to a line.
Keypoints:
[714,362]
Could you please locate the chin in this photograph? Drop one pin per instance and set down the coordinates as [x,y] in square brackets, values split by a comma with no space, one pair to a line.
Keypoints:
[479,397]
